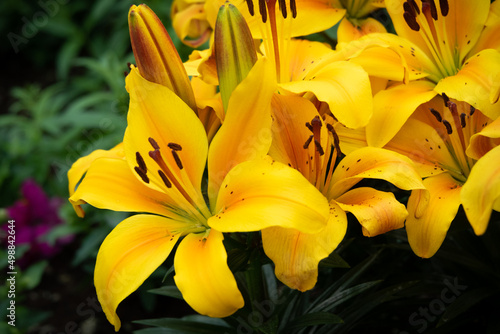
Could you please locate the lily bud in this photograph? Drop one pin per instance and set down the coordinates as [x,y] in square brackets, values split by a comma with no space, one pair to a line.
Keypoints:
[235,52]
[155,53]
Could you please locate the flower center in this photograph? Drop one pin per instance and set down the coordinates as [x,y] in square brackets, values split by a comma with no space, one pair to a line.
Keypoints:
[456,125]
[171,174]
[431,23]
[322,163]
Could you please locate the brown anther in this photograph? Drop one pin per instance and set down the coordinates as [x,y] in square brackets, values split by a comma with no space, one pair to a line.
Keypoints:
[142,174]
[336,139]
[433,8]
[165,179]
[174,146]
[472,110]
[177,159]
[445,8]
[153,143]
[263,10]
[308,141]
[411,21]
[409,9]
[318,147]
[415,6]
[140,162]
[250,7]
[282,7]
[448,127]
[308,125]
[293,8]
[446,99]
[463,119]
[436,114]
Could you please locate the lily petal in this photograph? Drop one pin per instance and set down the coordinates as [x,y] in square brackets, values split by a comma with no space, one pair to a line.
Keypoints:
[296,255]
[427,229]
[485,140]
[374,163]
[203,277]
[246,131]
[392,107]
[344,86]
[377,211]
[481,193]
[475,82]
[110,184]
[129,255]
[263,193]
[81,166]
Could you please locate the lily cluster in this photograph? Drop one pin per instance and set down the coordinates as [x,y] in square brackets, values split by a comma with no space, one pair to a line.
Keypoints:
[267,132]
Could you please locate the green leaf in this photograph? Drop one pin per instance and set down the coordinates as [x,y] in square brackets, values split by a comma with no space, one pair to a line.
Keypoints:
[169,291]
[172,325]
[334,260]
[32,276]
[314,319]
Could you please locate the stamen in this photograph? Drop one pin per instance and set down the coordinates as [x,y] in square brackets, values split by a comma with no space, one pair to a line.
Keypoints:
[446,99]
[262,10]
[142,174]
[433,9]
[177,159]
[462,120]
[409,8]
[140,162]
[164,179]
[436,114]
[448,127]
[153,143]
[282,7]
[250,7]
[293,8]
[174,146]
[336,139]
[318,147]
[443,4]
[411,21]
[309,126]
[415,6]
[308,141]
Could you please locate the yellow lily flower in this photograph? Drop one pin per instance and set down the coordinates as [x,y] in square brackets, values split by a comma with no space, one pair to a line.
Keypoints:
[190,22]
[299,65]
[455,148]
[306,142]
[166,150]
[356,22]
[442,47]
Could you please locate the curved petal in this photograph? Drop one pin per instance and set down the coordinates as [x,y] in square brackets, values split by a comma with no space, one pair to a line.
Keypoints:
[246,131]
[203,277]
[392,107]
[128,255]
[485,140]
[264,193]
[427,229]
[156,112]
[110,184]
[296,255]
[374,163]
[475,83]
[344,86]
[348,32]
[377,211]
[81,166]
[190,25]
[304,57]
[481,193]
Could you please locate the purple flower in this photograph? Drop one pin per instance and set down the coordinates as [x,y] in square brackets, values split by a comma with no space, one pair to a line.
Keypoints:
[35,215]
